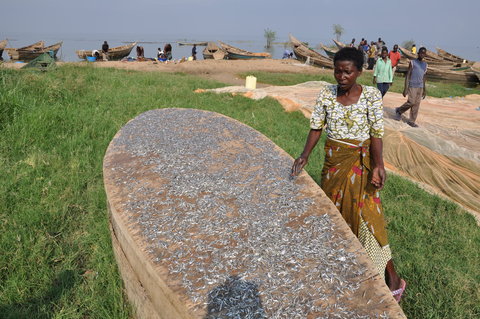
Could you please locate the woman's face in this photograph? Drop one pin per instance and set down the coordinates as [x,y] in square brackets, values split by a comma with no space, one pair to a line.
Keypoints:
[346,74]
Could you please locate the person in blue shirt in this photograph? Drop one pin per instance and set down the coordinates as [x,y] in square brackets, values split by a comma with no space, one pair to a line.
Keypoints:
[414,88]
[194,52]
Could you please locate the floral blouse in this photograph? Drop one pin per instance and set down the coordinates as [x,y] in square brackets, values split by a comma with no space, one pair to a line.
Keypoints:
[357,121]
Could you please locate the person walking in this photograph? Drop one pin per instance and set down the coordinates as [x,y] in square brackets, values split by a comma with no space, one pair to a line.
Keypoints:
[353,173]
[372,54]
[395,57]
[414,88]
[383,73]
[105,48]
[194,52]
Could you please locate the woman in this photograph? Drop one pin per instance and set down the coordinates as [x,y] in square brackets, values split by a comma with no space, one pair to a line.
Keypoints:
[383,72]
[353,172]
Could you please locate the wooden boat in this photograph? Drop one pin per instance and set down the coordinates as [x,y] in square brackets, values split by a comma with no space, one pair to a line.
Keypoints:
[407,53]
[234,53]
[116,53]
[199,44]
[452,76]
[456,75]
[451,57]
[37,46]
[434,60]
[33,52]
[303,53]
[329,51]
[339,44]
[213,51]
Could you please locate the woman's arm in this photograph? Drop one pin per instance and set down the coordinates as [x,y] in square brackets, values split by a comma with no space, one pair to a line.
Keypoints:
[378,171]
[312,140]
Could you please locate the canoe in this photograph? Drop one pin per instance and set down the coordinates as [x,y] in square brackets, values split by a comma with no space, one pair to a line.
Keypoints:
[329,51]
[201,44]
[451,57]
[434,60]
[456,75]
[37,46]
[452,76]
[304,54]
[213,51]
[32,52]
[116,53]
[434,56]
[234,53]
[339,44]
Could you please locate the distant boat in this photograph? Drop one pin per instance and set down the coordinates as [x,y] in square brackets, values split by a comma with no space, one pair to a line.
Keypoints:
[213,51]
[468,76]
[200,44]
[116,53]
[235,53]
[339,44]
[304,53]
[37,46]
[33,51]
[329,51]
[435,60]
[451,57]
[3,44]
[446,74]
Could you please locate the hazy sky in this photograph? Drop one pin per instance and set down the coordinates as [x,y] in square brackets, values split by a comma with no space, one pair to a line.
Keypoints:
[429,22]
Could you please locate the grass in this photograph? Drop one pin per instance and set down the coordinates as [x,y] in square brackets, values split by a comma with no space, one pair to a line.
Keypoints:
[435,89]
[57,260]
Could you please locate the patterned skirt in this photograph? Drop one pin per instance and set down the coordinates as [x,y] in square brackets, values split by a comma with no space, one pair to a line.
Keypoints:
[346,179]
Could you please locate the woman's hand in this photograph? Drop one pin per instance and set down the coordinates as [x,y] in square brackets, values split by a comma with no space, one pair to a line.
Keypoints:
[298,165]
[378,177]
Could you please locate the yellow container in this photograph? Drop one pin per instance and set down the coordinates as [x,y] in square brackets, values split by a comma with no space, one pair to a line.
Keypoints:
[251,82]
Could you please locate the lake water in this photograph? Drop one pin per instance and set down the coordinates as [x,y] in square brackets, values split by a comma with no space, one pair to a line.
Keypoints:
[73,42]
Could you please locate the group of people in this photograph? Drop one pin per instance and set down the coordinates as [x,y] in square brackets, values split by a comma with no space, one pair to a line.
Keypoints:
[353,173]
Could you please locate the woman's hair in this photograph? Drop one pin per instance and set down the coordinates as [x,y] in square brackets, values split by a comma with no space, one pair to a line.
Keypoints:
[167,47]
[349,54]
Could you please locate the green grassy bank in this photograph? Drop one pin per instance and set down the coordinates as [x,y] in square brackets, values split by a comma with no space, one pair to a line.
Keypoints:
[56,259]
[434,88]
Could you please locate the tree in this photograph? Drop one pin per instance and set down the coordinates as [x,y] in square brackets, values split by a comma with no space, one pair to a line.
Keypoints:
[338,31]
[270,37]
